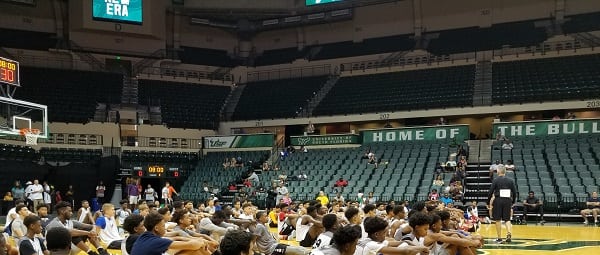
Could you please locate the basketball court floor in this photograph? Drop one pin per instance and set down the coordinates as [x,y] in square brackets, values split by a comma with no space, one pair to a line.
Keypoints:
[567,239]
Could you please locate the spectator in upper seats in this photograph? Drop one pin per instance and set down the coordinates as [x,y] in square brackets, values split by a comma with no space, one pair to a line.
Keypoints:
[494,168]
[266,166]
[303,149]
[18,191]
[463,161]
[461,152]
[434,195]
[302,176]
[442,121]
[310,128]
[226,164]
[388,125]
[339,198]
[323,198]
[8,197]
[570,116]
[438,182]
[446,199]
[438,168]
[253,178]
[556,117]
[340,183]
[507,145]
[239,162]
[370,199]
[500,137]
[281,191]
[457,190]
[282,177]
[455,178]
[510,166]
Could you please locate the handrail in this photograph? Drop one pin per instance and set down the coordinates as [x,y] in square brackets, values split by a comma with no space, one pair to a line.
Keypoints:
[290,72]
[185,73]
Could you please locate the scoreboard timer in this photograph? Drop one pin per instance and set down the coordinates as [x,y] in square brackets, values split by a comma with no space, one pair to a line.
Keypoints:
[9,71]
[156,171]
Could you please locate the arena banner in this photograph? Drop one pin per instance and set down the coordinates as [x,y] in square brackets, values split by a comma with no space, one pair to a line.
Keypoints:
[459,133]
[239,141]
[547,128]
[311,140]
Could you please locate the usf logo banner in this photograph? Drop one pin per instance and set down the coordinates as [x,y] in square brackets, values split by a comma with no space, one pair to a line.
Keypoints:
[238,141]
[324,140]
[547,128]
[459,133]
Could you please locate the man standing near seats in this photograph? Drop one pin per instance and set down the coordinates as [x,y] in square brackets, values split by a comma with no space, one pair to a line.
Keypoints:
[37,193]
[533,204]
[504,192]
[593,207]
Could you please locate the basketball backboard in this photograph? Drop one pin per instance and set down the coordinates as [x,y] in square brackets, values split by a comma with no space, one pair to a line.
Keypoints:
[17,114]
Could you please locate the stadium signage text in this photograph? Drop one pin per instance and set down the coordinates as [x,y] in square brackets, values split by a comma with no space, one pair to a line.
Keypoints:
[459,132]
[238,141]
[324,140]
[117,7]
[127,11]
[546,128]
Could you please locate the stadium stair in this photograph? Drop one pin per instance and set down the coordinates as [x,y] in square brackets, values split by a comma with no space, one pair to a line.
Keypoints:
[232,101]
[482,91]
[314,101]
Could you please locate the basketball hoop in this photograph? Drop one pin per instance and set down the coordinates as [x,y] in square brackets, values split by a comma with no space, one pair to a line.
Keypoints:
[31,135]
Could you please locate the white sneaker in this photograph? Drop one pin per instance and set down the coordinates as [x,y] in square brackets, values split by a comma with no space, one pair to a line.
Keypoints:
[585,222]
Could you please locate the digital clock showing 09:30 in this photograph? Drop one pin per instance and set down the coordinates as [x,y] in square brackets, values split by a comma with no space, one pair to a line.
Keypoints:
[9,71]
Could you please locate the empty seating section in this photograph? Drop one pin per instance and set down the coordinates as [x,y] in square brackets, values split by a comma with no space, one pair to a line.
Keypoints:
[559,168]
[11,152]
[582,23]
[547,79]
[210,57]
[210,170]
[17,153]
[514,34]
[183,160]
[70,154]
[30,40]
[185,105]
[279,56]
[408,175]
[276,98]
[421,89]
[368,46]
[71,96]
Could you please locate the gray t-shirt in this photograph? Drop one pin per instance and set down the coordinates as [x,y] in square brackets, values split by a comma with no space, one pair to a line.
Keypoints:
[266,242]
[70,224]
[17,224]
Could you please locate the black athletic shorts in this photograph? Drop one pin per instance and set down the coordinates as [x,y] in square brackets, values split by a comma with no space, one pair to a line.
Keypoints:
[308,241]
[501,210]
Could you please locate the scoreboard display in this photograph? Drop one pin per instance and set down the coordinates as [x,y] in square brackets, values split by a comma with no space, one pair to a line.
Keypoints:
[156,171]
[124,11]
[316,2]
[9,72]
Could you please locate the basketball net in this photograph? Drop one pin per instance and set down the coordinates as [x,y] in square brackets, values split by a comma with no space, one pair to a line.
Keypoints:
[31,135]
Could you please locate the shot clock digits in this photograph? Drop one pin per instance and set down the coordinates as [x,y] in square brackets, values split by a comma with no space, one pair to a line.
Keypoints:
[9,71]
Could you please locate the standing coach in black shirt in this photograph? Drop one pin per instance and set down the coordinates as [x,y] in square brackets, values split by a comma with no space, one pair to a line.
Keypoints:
[504,193]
